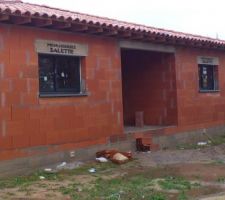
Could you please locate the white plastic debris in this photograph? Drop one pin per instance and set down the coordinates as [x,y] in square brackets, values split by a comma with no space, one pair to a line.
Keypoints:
[61,166]
[48,170]
[202,143]
[73,165]
[42,177]
[92,170]
[102,160]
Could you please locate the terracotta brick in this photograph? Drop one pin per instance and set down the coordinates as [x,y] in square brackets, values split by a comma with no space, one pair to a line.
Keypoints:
[29,99]
[52,137]
[5,85]
[53,111]
[17,56]
[37,112]
[37,139]
[15,127]
[5,113]
[20,141]
[19,85]
[12,98]
[32,126]
[32,85]
[62,124]
[5,142]
[20,113]
[30,71]
[12,71]
[47,125]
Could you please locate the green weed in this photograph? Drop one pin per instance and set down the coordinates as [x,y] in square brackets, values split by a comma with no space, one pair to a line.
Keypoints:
[27,180]
[176,183]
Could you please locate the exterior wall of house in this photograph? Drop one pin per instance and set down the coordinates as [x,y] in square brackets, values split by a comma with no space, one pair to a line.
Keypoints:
[164,86]
[195,109]
[149,85]
[28,121]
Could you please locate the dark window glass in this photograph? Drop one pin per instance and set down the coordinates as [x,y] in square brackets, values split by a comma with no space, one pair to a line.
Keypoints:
[208,77]
[59,74]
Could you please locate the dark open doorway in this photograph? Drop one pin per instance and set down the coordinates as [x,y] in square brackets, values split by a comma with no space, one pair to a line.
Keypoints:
[149,86]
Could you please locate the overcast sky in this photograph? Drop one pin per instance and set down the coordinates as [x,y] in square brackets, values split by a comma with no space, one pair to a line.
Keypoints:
[203,17]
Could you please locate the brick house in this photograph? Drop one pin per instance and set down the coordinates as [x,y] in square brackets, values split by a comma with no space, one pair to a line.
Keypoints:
[72,81]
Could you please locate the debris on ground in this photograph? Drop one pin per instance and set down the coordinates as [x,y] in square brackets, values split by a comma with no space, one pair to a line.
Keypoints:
[115,156]
[49,170]
[119,158]
[142,146]
[92,170]
[42,177]
[202,143]
[73,165]
[61,166]
[102,160]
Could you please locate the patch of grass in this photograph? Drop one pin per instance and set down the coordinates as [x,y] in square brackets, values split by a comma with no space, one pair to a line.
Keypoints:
[182,196]
[215,141]
[134,187]
[218,140]
[176,183]
[70,190]
[221,180]
[186,146]
[24,181]
[158,196]
[83,170]
[218,162]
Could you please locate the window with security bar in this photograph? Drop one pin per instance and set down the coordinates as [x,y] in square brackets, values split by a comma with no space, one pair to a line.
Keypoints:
[208,78]
[59,75]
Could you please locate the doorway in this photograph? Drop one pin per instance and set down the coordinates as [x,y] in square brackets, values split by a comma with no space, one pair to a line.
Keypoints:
[149,87]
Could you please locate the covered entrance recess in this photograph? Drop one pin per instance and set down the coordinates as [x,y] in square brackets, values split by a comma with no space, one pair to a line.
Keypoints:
[149,86]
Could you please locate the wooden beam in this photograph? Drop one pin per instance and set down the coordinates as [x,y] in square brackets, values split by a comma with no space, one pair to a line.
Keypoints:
[40,22]
[110,32]
[95,30]
[79,28]
[4,17]
[125,34]
[61,25]
[137,36]
[150,37]
[20,20]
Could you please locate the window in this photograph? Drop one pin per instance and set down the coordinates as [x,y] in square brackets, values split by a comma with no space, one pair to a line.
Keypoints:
[208,77]
[59,75]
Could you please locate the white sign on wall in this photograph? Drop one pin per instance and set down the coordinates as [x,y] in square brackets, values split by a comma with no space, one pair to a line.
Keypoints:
[203,60]
[61,48]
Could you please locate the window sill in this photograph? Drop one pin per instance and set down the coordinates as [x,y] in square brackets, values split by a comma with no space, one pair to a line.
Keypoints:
[209,91]
[63,95]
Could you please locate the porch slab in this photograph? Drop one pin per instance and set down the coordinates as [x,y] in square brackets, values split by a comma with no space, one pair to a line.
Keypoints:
[134,129]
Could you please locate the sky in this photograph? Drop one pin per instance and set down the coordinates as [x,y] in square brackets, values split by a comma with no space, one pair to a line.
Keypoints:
[201,17]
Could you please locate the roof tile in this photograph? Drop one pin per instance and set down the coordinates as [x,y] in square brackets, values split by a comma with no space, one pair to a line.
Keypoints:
[17,6]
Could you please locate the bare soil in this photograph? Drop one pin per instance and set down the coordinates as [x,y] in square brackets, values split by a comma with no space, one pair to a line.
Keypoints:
[205,166]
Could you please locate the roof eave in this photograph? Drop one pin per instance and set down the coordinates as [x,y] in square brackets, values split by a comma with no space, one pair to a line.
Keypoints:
[78,26]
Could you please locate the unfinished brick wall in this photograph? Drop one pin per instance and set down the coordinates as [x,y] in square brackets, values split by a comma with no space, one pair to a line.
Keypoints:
[28,121]
[197,109]
[149,85]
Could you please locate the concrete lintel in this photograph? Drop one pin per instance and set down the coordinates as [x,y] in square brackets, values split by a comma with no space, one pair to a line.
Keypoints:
[146,46]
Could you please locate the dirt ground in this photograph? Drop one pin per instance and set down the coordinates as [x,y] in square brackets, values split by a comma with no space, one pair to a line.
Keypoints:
[195,174]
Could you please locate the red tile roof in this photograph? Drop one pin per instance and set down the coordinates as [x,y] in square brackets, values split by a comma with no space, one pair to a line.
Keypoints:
[18,8]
